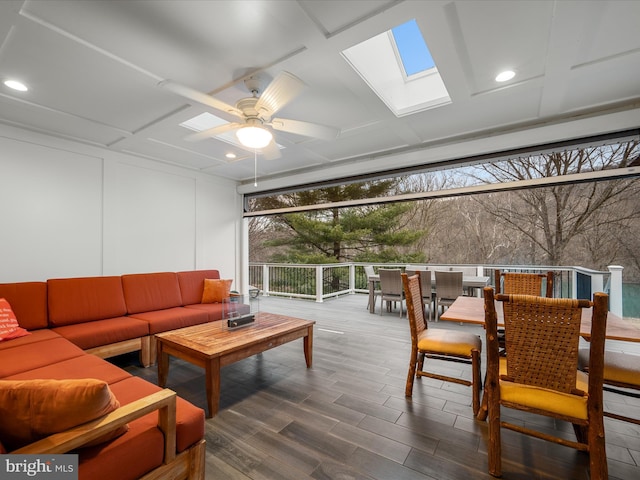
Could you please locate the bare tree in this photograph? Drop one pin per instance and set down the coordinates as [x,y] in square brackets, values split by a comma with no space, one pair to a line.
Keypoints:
[552,218]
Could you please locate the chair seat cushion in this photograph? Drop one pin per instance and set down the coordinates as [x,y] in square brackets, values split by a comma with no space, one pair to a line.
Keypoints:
[544,399]
[618,367]
[451,342]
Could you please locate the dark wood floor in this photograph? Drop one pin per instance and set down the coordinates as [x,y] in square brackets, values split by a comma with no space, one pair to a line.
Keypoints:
[347,416]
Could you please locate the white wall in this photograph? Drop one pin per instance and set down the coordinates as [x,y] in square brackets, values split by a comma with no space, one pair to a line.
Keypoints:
[69,209]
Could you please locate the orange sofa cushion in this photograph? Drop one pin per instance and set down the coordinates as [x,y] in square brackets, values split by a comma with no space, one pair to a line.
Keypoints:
[103,332]
[9,328]
[145,292]
[28,301]
[171,318]
[215,311]
[216,290]
[189,418]
[36,354]
[36,336]
[192,284]
[77,300]
[76,368]
[34,409]
[128,457]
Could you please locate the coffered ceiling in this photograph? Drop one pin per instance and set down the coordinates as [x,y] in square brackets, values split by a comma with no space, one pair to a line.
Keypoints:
[93,69]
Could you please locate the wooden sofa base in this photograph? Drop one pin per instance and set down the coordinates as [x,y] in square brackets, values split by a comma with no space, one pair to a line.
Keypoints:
[188,465]
[141,344]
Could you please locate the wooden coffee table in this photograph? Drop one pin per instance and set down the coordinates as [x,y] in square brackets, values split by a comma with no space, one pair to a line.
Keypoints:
[214,345]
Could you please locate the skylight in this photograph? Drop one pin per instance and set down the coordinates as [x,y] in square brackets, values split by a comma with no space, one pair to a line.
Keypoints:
[207,120]
[399,68]
[202,122]
[412,48]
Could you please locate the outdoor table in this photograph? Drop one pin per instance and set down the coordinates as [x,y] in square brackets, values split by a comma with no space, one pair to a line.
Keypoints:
[468,281]
[471,310]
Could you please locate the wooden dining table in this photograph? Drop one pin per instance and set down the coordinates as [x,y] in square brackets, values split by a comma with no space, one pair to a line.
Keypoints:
[468,282]
[471,310]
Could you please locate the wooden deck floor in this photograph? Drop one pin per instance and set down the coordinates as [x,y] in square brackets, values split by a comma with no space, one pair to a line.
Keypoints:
[348,418]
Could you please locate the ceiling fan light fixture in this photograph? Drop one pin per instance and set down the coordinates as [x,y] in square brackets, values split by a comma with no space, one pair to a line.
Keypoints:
[254,137]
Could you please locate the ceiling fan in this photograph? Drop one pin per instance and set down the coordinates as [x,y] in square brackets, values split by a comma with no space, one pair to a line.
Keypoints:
[255,113]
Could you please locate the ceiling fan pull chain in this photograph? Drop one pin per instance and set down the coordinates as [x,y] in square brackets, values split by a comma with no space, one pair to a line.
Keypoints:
[255,167]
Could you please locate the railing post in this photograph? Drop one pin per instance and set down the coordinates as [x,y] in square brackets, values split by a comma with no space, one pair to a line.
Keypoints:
[319,283]
[615,289]
[352,279]
[265,280]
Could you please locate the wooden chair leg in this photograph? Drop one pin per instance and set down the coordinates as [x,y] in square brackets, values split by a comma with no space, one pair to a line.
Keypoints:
[597,451]
[581,432]
[411,375]
[482,413]
[477,382]
[420,362]
[495,441]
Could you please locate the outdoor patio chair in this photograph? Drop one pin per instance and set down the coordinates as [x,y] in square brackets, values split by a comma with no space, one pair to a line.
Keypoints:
[448,288]
[523,283]
[621,374]
[425,285]
[370,272]
[390,288]
[440,343]
[540,375]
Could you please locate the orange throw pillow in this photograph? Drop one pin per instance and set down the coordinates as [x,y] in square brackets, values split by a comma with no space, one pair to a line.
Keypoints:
[216,290]
[34,409]
[9,327]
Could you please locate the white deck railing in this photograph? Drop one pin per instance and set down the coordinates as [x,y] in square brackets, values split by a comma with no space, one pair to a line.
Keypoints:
[320,281]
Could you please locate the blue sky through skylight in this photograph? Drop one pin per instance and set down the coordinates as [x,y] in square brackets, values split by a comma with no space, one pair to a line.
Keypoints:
[397,65]
[413,50]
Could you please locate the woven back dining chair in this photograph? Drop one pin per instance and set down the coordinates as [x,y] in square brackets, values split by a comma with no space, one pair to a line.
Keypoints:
[621,376]
[524,283]
[448,287]
[425,285]
[540,375]
[390,288]
[521,284]
[440,344]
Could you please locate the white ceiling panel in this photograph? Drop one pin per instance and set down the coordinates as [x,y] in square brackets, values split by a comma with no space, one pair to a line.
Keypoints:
[93,69]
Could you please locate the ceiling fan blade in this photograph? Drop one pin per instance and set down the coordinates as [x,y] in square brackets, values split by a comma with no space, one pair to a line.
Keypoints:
[212,132]
[284,88]
[271,151]
[307,129]
[200,97]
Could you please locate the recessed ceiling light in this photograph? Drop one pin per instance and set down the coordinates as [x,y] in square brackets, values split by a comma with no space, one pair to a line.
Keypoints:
[16,85]
[506,75]
[230,155]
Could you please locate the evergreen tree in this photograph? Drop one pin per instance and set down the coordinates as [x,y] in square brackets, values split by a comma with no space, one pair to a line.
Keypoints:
[368,233]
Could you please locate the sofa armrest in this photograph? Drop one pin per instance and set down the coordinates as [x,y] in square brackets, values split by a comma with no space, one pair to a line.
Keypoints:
[164,401]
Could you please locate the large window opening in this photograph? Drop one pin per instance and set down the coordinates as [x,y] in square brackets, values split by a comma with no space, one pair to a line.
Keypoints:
[569,206]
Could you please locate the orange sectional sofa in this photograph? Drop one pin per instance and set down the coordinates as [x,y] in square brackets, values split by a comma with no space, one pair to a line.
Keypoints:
[75,323]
